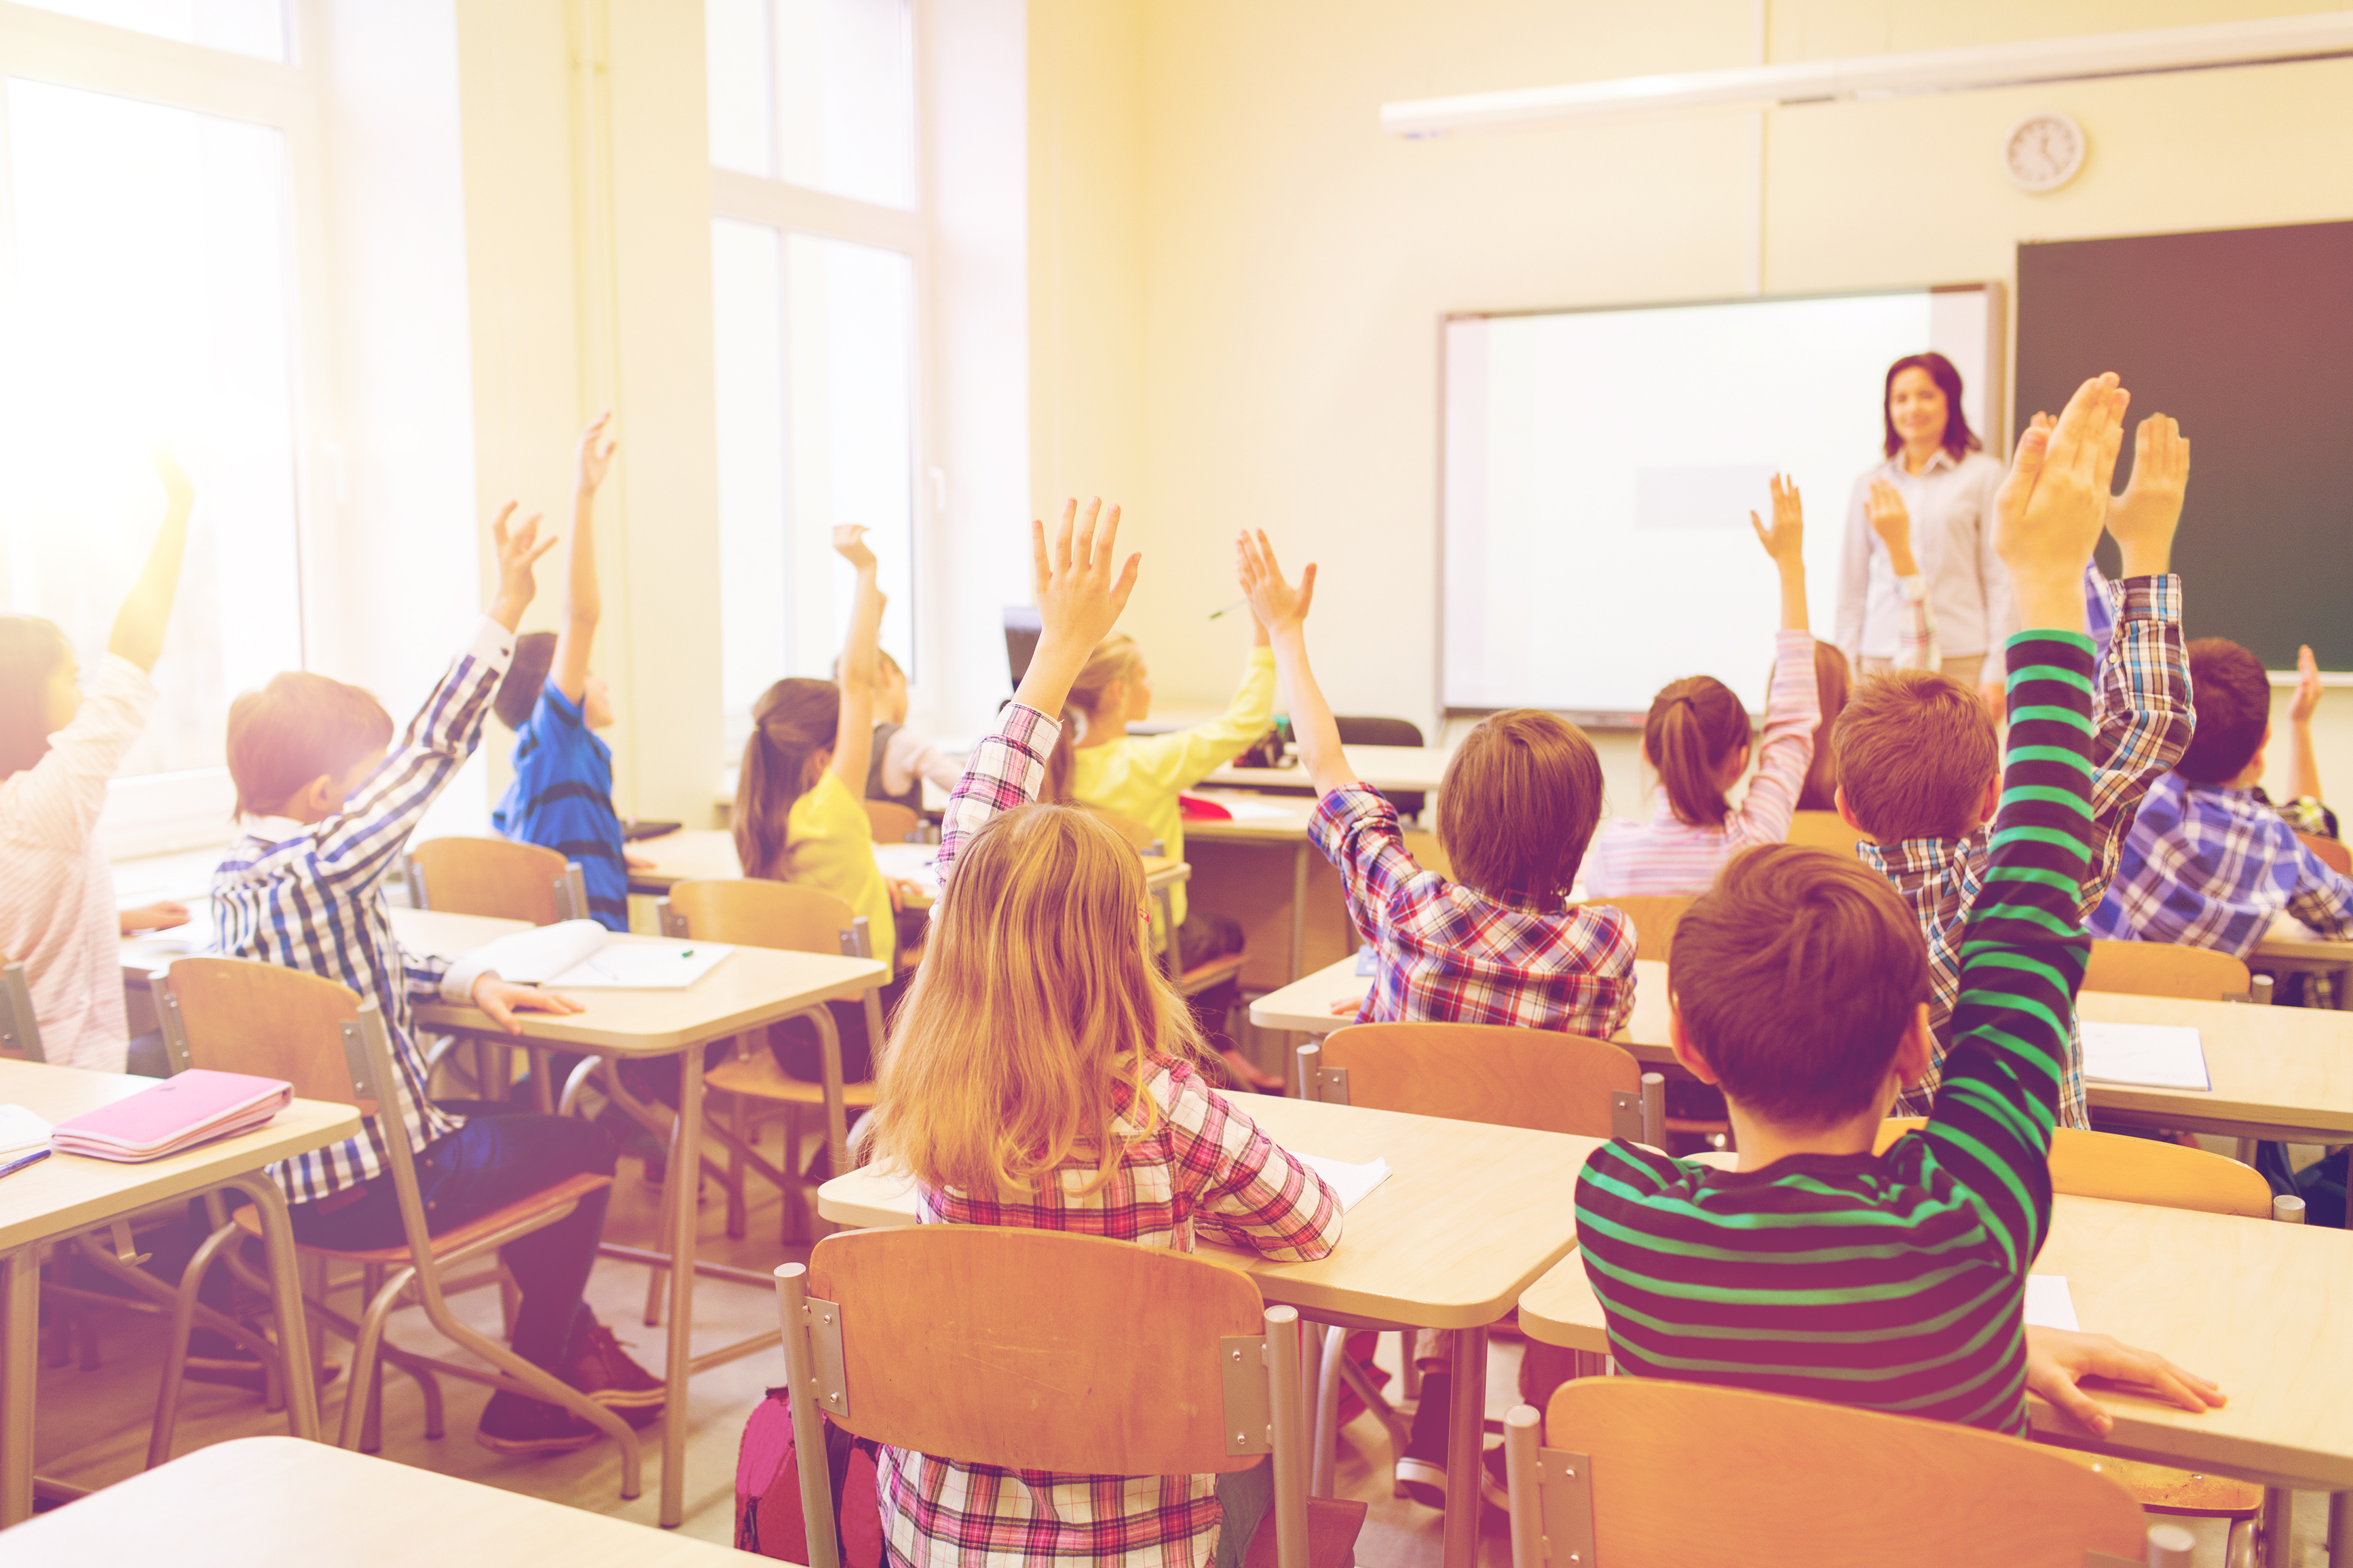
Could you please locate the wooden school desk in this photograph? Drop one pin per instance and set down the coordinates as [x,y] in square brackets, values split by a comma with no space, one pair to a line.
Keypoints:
[1228,860]
[2292,947]
[2256,1305]
[751,988]
[1411,769]
[678,857]
[1471,1217]
[67,1193]
[272,1502]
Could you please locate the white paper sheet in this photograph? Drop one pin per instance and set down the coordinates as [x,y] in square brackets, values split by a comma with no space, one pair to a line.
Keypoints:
[916,863]
[1351,1182]
[20,1130]
[643,967]
[2152,1055]
[1254,810]
[2049,1303]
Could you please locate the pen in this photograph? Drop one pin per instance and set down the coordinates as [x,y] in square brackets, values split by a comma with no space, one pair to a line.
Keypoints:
[13,1167]
[1229,609]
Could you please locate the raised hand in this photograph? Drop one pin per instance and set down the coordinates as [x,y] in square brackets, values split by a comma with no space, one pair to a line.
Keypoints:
[850,543]
[2048,513]
[2308,687]
[519,551]
[2143,518]
[1277,605]
[1079,598]
[596,460]
[179,492]
[1785,541]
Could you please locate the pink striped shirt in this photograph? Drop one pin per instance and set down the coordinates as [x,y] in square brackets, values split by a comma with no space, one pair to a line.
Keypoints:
[56,891]
[1667,855]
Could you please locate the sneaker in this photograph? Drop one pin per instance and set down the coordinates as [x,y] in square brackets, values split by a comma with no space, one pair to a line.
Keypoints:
[1422,1468]
[1494,1484]
[516,1423]
[599,1367]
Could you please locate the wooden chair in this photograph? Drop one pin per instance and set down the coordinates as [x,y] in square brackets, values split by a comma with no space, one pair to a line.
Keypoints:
[792,918]
[2144,1171]
[1019,1348]
[1823,830]
[893,822]
[1655,917]
[1644,1473]
[2332,852]
[238,1016]
[498,877]
[2165,969]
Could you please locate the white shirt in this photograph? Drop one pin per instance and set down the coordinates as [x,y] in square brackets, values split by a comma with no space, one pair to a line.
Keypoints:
[56,891]
[1951,507]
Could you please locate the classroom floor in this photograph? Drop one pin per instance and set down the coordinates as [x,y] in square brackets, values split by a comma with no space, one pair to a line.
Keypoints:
[93,1424]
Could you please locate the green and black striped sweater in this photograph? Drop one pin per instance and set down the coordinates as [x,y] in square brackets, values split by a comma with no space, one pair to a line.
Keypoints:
[1894,1282]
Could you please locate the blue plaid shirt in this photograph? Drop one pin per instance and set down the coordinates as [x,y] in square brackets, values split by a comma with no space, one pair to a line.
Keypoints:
[2206,866]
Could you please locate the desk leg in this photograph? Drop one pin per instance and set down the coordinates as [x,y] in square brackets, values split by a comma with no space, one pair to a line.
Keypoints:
[286,1304]
[2340,1530]
[685,1166]
[1299,909]
[1465,1437]
[20,1364]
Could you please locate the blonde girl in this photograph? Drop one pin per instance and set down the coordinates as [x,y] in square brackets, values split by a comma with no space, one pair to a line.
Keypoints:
[1042,1072]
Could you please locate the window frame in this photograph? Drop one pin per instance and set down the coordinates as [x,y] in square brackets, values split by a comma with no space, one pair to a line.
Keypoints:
[156,813]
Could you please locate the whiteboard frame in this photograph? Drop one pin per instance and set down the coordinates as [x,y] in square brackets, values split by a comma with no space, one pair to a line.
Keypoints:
[1994,436]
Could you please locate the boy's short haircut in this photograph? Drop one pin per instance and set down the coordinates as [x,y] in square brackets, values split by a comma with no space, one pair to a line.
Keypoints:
[1797,976]
[298,728]
[2235,710]
[1915,751]
[535,656]
[1518,804]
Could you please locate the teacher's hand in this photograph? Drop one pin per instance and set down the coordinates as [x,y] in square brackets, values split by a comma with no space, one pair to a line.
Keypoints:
[1894,526]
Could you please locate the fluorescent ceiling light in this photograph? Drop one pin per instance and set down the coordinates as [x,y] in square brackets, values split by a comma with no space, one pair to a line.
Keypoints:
[2271,40]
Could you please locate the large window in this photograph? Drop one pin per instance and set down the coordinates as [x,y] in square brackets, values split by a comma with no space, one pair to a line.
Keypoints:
[816,246]
[148,297]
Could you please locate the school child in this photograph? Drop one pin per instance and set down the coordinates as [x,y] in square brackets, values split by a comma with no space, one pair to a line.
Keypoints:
[2211,861]
[562,795]
[324,810]
[59,746]
[1890,1281]
[1141,777]
[1044,1073]
[1832,682]
[902,759]
[1918,756]
[1503,945]
[1696,736]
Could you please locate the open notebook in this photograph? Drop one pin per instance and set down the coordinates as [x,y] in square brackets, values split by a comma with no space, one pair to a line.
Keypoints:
[581,955]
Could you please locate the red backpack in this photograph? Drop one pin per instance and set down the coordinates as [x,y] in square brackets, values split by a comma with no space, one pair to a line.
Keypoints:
[768,1517]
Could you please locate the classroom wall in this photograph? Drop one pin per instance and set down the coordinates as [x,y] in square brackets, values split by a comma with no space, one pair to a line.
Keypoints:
[1236,278]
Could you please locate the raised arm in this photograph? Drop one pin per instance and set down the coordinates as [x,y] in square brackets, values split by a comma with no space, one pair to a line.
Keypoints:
[1915,639]
[1282,612]
[1854,576]
[853,733]
[1793,708]
[139,625]
[2304,765]
[583,602]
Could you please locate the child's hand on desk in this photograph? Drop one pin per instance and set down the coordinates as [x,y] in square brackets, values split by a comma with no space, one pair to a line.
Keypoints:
[636,862]
[519,551]
[904,893]
[151,917]
[503,1000]
[1346,1006]
[2143,518]
[2055,1359]
[2308,687]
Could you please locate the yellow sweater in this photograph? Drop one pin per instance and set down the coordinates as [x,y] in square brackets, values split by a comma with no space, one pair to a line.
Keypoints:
[1140,776]
[829,844]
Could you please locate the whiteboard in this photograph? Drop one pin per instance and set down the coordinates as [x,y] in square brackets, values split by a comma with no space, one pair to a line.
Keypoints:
[1600,466]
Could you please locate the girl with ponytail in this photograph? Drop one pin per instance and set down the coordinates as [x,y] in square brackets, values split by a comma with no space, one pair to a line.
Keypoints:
[1697,739]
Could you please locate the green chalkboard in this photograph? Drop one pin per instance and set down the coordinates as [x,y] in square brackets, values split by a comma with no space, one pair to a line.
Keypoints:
[2246,337]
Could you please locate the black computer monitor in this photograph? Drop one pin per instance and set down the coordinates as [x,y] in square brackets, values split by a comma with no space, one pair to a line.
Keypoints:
[1021,629]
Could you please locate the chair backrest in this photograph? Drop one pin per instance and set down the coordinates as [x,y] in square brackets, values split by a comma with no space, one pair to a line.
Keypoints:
[20,1029]
[1482,1072]
[1655,916]
[2086,1164]
[233,1015]
[1822,830]
[890,822]
[2164,969]
[1127,826]
[1355,730]
[494,877]
[789,916]
[1678,1473]
[1035,1348]
[2332,852]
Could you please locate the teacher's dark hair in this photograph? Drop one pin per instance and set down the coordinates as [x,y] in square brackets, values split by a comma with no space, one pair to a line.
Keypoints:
[1960,439]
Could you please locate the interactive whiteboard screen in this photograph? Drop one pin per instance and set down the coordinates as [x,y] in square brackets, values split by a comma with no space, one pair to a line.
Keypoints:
[1600,468]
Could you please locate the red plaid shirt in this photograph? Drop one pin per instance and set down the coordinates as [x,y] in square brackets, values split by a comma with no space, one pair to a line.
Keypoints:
[1445,953]
[1194,1166]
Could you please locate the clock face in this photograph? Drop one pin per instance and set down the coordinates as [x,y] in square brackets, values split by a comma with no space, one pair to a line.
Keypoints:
[2043,151]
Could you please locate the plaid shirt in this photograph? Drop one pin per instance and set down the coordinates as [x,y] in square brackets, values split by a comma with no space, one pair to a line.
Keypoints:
[1445,953]
[1194,1165]
[2144,717]
[2210,866]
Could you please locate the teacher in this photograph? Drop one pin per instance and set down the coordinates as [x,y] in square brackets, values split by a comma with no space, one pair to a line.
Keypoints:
[1937,485]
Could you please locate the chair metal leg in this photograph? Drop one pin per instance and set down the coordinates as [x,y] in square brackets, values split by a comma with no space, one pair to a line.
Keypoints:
[286,1302]
[1327,1410]
[1291,1436]
[175,1348]
[1399,1430]
[801,1401]
[1466,1434]
[367,1365]
[1410,1379]
[509,1297]
[738,1215]
[21,1350]
[656,1273]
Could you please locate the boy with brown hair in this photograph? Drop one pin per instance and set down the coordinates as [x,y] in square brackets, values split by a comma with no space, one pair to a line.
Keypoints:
[1917,753]
[1817,1267]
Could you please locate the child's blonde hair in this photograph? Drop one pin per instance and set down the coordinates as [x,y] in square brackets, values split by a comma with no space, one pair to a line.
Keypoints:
[1038,998]
[1115,659]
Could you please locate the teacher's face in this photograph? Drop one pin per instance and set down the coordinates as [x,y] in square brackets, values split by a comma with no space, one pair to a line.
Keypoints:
[1917,404]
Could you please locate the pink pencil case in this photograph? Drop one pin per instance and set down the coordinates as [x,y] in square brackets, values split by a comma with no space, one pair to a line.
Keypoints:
[195,1107]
